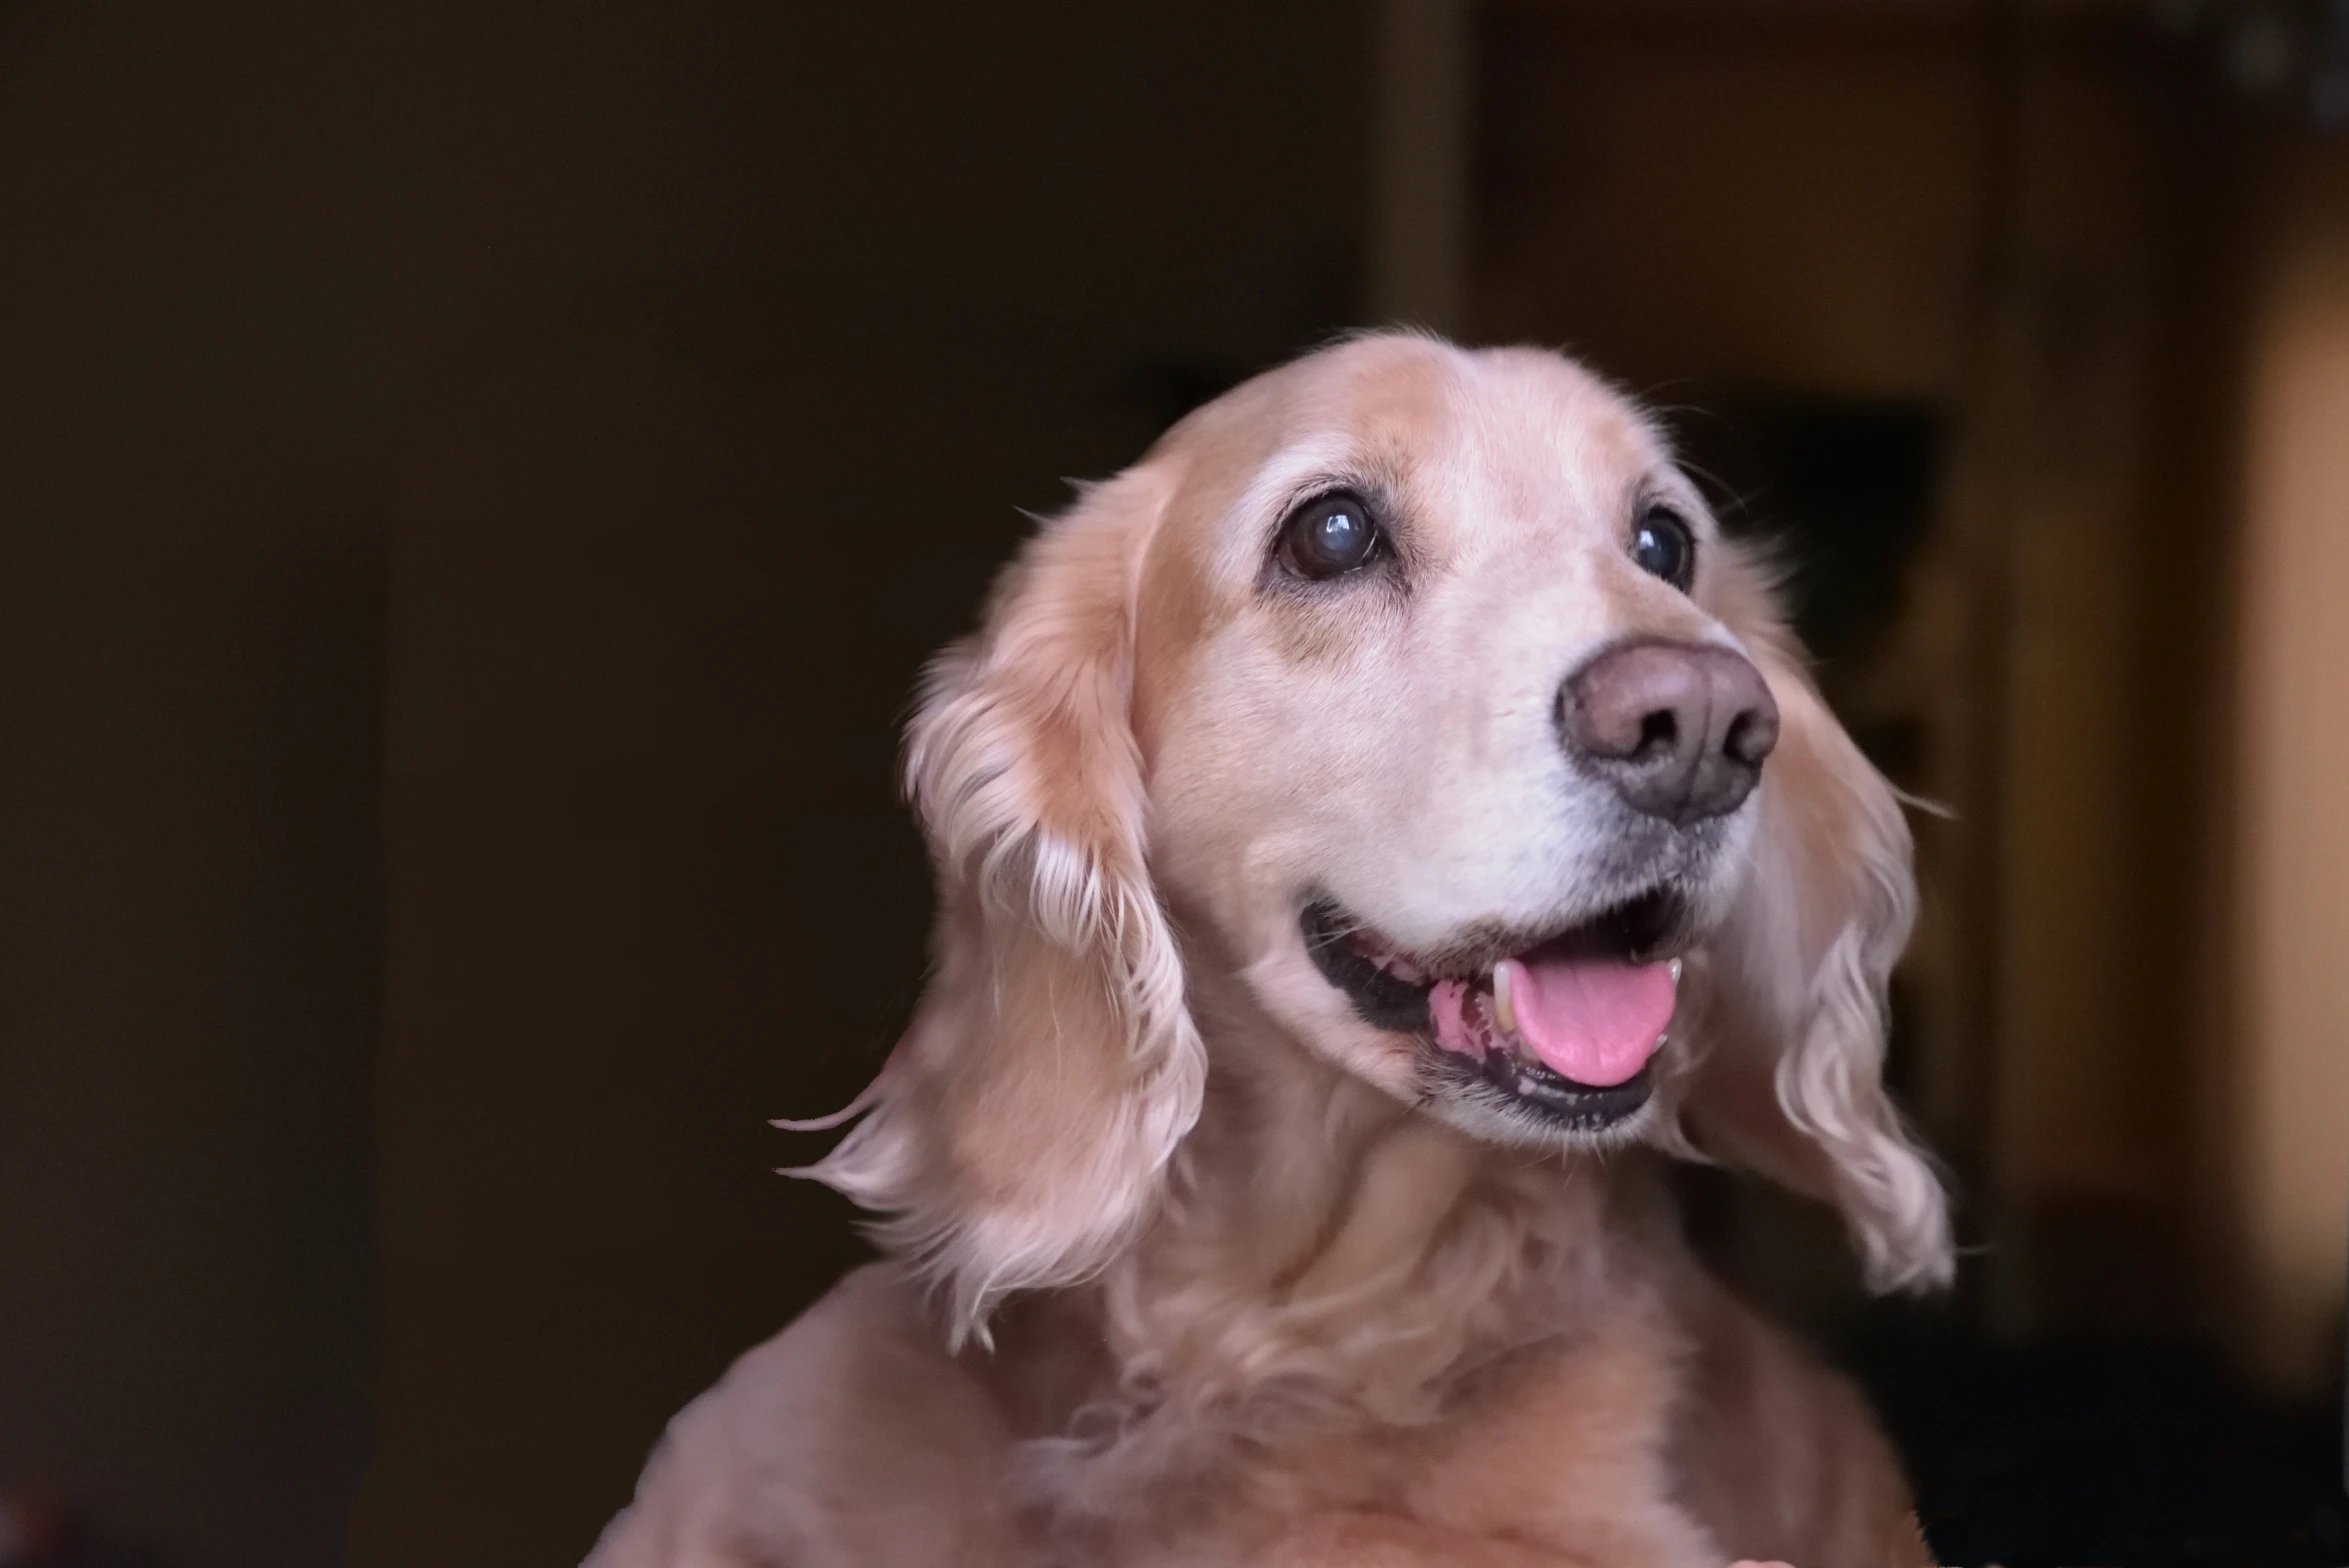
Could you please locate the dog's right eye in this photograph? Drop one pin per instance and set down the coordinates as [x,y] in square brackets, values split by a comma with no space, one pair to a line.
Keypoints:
[1330,536]
[1663,546]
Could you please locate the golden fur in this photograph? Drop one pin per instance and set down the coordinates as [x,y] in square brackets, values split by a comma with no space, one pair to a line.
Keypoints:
[1188,1265]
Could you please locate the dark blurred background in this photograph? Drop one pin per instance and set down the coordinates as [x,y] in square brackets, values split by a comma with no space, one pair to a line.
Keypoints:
[477,482]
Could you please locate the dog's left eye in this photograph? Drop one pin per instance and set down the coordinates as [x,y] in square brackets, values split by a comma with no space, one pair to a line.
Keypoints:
[1330,536]
[1663,546]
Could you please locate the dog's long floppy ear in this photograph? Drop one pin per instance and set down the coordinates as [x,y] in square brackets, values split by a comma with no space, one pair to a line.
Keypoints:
[1790,1082]
[1020,1133]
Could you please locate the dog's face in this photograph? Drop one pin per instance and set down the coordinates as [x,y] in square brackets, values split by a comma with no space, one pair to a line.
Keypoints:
[1411,695]
[1442,741]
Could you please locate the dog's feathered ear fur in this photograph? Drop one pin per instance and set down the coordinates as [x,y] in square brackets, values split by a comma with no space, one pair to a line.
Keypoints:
[1791,1078]
[1020,1133]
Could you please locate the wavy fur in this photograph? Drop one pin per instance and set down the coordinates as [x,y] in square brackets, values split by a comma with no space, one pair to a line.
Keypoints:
[1055,965]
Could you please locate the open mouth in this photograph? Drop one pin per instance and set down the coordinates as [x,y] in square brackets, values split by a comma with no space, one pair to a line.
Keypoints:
[1563,1025]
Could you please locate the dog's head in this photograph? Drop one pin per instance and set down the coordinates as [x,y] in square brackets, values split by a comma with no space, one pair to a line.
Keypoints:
[1414,691]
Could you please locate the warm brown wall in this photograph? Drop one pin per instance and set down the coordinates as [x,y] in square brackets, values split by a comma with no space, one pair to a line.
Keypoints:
[2285,1082]
[1723,195]
[2103,415]
[766,322]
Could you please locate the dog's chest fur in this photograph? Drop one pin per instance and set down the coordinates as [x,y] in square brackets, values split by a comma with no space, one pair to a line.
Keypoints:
[1408,1352]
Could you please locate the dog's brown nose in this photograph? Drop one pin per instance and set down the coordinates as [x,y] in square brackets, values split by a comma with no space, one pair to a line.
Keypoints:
[1680,729]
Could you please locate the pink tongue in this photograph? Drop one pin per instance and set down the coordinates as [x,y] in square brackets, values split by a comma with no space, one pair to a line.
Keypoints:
[1593,1020]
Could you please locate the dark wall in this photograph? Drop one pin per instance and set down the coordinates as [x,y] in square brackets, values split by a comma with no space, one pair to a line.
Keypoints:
[503,464]
[192,489]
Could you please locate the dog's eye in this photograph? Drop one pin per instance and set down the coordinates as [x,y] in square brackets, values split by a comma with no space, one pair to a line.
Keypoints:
[1663,546]
[1330,536]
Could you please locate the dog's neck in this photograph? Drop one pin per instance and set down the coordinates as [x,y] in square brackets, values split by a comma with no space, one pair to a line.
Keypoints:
[1325,1258]
[1317,1233]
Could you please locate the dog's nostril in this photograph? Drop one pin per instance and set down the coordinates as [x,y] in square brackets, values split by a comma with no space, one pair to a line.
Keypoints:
[1659,733]
[1739,742]
[1753,734]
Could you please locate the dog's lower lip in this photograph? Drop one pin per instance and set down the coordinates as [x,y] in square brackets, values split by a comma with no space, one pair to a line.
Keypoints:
[1380,999]
[1535,1090]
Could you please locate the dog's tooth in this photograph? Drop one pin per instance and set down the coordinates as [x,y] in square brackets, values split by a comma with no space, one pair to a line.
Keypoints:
[1504,1009]
[1674,969]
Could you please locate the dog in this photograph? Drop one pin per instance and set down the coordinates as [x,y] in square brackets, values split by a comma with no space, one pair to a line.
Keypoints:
[1375,835]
